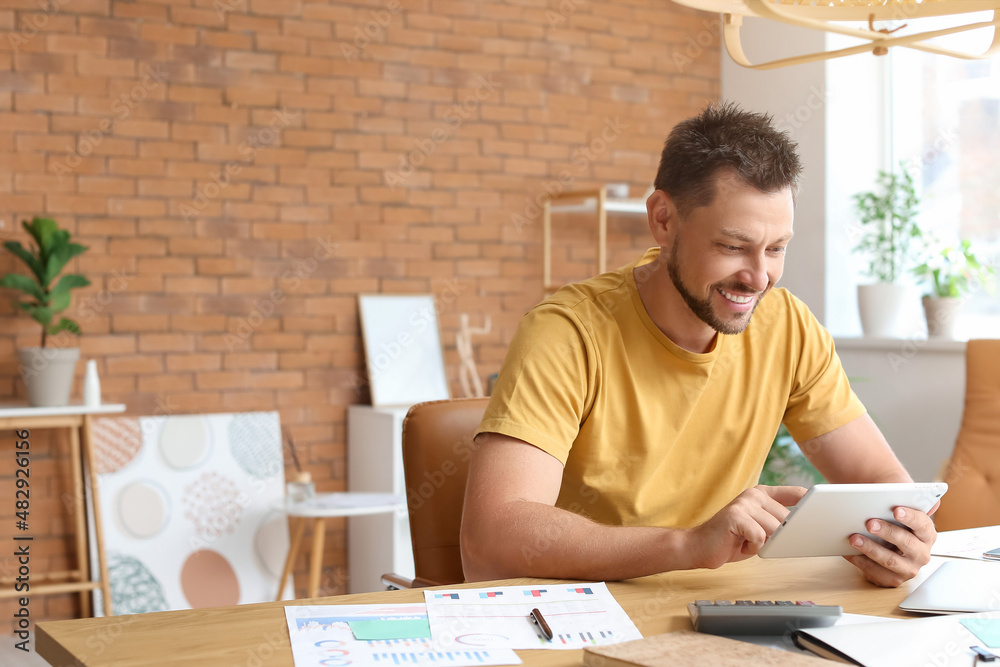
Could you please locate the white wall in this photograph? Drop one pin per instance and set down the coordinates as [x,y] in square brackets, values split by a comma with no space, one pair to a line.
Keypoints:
[795,96]
[914,390]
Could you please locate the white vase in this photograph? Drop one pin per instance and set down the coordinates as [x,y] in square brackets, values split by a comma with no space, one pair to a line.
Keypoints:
[942,315]
[882,307]
[48,374]
[91,385]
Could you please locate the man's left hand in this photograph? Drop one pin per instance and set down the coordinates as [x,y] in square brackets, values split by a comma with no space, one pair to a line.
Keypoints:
[911,547]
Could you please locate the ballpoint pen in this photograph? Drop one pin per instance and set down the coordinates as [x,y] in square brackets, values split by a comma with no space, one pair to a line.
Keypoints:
[982,655]
[539,620]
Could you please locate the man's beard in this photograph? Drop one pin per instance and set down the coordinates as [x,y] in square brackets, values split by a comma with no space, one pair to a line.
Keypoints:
[703,308]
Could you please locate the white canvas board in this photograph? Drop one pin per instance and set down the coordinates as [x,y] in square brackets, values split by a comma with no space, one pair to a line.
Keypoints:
[402,348]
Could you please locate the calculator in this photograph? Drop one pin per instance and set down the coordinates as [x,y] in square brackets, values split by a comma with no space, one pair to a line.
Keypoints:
[760,617]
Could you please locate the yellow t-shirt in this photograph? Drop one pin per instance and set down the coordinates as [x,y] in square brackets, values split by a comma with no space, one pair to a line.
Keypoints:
[652,434]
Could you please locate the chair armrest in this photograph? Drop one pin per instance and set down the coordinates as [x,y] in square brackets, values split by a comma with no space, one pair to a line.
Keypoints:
[393,581]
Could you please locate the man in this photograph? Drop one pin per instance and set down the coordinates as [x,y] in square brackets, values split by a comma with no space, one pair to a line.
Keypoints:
[625,434]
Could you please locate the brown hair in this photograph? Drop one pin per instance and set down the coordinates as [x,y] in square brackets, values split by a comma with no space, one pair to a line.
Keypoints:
[724,137]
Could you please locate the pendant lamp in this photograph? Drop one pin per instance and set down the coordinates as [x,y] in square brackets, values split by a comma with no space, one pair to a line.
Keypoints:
[830,16]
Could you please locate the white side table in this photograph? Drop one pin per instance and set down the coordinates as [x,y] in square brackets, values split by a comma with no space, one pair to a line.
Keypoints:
[318,509]
[75,418]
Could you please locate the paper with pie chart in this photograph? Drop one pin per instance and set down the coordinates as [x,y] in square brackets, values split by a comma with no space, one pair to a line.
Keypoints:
[579,615]
[321,636]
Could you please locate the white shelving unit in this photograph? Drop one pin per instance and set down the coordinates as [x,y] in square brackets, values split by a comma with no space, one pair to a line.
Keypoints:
[381,543]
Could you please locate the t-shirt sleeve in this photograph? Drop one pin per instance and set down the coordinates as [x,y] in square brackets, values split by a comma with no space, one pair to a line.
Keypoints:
[821,398]
[545,384]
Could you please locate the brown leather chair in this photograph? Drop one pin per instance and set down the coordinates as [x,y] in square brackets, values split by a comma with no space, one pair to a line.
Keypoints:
[437,446]
[973,474]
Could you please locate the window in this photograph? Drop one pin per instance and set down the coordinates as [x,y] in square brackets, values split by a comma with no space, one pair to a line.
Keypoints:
[945,126]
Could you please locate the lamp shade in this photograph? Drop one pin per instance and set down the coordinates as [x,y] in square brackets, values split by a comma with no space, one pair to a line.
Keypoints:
[830,16]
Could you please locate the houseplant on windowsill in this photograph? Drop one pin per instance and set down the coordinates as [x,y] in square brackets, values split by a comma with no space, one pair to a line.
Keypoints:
[47,370]
[889,235]
[953,272]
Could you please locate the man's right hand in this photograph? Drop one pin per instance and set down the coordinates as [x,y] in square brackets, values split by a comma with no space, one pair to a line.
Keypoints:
[739,530]
[511,527]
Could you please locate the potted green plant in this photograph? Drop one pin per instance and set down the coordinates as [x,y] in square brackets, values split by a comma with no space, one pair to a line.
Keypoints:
[952,272]
[47,370]
[889,236]
[786,464]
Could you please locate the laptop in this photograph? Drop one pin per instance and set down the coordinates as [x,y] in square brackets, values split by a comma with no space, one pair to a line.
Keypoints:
[956,587]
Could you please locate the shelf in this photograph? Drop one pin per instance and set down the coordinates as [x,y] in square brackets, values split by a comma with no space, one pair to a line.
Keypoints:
[897,344]
[17,410]
[596,201]
[589,204]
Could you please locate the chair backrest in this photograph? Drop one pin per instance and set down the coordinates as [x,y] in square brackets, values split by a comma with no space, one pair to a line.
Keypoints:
[973,475]
[437,446]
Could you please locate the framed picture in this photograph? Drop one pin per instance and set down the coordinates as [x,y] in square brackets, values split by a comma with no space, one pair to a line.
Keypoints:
[402,348]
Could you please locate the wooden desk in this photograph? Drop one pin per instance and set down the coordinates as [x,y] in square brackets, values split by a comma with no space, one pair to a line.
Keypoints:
[76,419]
[257,634]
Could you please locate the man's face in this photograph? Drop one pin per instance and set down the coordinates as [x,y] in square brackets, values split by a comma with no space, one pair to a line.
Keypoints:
[726,256]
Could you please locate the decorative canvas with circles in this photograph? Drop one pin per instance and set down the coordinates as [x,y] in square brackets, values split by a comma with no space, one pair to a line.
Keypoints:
[190,510]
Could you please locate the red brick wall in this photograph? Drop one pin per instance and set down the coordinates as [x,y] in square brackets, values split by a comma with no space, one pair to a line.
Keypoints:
[209,151]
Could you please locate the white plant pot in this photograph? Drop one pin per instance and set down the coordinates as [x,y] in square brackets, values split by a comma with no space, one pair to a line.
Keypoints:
[48,374]
[942,316]
[882,307]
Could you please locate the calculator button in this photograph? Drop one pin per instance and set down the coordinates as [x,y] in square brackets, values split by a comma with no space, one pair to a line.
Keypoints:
[703,603]
[724,603]
[805,603]
[764,603]
[744,603]
[784,603]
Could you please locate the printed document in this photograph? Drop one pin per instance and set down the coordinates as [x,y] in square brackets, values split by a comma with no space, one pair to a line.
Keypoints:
[579,615]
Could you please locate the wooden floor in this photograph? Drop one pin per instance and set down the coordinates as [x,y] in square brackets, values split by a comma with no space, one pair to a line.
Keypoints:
[12,657]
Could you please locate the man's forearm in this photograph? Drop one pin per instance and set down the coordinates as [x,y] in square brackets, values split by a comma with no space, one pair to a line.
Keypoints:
[528,539]
[855,453]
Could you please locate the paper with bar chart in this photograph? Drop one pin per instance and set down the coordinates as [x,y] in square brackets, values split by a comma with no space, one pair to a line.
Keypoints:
[321,636]
[490,618]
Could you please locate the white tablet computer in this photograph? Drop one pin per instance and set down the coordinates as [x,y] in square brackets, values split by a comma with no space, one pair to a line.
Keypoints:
[822,521]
